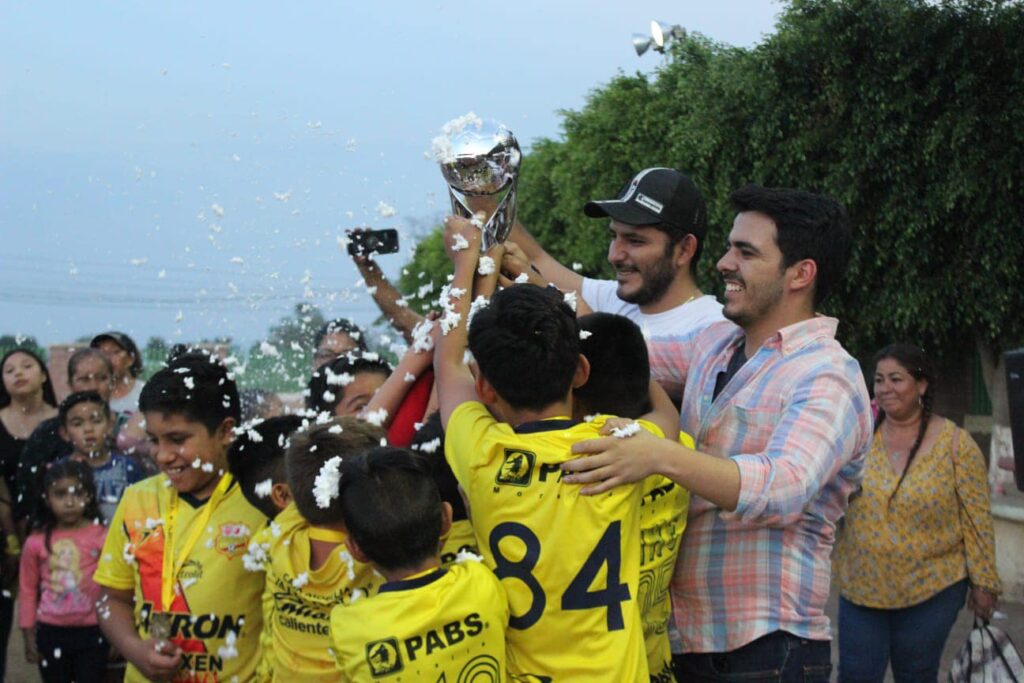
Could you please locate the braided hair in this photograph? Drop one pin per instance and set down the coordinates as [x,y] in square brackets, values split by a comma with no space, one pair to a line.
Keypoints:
[919,366]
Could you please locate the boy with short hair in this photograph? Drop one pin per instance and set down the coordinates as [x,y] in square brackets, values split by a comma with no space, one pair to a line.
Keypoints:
[308,570]
[86,423]
[177,601]
[572,561]
[427,622]
[256,461]
[620,384]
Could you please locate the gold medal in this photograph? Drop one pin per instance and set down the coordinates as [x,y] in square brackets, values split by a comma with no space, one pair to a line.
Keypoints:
[160,625]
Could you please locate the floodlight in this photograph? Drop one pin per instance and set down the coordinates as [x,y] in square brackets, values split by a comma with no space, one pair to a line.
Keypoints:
[641,43]
[658,33]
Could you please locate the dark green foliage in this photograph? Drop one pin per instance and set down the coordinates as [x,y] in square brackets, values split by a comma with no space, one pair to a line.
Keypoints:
[910,112]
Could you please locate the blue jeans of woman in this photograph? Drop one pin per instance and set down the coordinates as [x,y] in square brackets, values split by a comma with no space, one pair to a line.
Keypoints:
[911,638]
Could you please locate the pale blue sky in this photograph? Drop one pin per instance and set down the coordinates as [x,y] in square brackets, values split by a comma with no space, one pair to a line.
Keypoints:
[122,125]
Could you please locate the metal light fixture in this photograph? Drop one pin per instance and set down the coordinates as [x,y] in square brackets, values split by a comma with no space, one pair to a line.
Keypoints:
[660,34]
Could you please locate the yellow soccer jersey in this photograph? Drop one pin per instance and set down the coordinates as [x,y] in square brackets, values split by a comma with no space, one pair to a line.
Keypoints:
[460,539]
[441,625]
[662,521]
[216,615]
[297,600]
[569,563]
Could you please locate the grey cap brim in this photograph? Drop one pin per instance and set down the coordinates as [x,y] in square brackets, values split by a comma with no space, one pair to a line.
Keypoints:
[624,212]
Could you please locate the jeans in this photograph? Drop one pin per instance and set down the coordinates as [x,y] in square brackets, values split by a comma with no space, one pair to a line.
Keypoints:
[779,657]
[911,638]
[71,653]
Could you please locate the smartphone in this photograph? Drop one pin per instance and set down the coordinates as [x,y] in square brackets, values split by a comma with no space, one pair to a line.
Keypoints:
[370,242]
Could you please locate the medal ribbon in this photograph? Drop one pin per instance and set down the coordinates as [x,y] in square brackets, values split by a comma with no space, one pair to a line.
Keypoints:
[172,561]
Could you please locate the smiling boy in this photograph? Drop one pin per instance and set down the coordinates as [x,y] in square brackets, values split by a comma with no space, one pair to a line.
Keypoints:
[177,539]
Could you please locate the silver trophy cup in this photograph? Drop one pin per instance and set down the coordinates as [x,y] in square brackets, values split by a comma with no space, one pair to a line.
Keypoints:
[480,159]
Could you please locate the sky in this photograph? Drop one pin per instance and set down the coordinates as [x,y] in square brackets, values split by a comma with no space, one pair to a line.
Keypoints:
[185,169]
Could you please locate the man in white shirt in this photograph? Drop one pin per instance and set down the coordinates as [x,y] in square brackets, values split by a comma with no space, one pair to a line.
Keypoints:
[657,230]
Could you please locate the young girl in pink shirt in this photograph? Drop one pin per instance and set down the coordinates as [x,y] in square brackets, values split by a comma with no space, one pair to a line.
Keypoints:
[57,598]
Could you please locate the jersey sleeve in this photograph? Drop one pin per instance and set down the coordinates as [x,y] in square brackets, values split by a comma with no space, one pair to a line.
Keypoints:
[116,568]
[467,428]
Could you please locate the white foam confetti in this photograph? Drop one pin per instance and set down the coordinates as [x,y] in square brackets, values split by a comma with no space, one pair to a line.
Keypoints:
[301,580]
[465,555]
[350,563]
[376,417]
[459,243]
[264,488]
[430,446]
[486,265]
[228,649]
[441,146]
[586,334]
[522,278]
[325,485]
[626,431]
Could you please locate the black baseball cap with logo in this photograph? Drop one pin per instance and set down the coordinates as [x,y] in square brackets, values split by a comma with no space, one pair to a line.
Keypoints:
[660,197]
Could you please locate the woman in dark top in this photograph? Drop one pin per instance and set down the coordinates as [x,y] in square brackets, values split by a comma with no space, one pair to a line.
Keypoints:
[26,399]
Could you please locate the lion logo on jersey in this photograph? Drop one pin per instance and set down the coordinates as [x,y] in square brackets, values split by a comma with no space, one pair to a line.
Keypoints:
[517,468]
[383,657]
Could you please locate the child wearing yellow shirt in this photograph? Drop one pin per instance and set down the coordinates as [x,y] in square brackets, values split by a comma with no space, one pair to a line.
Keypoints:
[427,622]
[308,569]
[177,601]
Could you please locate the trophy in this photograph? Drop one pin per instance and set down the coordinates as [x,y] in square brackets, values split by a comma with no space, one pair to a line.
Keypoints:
[481,159]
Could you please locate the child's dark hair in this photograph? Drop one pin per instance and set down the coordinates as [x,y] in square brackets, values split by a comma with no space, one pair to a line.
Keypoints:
[527,345]
[257,455]
[310,449]
[392,507]
[620,372]
[80,397]
[194,384]
[428,441]
[67,469]
[327,385]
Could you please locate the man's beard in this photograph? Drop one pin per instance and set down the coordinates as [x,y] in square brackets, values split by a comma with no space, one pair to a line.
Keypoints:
[656,281]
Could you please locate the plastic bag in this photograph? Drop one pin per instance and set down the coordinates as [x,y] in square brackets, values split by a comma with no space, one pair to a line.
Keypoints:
[988,656]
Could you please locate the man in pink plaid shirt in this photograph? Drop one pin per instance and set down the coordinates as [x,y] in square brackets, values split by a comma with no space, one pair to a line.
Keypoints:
[781,418]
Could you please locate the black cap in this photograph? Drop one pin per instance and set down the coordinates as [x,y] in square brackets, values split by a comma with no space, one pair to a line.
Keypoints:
[119,338]
[662,197]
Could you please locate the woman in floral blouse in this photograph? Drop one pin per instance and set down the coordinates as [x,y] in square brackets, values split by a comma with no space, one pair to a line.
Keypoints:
[918,536]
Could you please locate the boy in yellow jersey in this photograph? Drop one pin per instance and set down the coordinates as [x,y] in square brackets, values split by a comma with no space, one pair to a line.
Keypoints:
[427,623]
[569,563]
[460,539]
[620,384]
[177,601]
[308,569]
